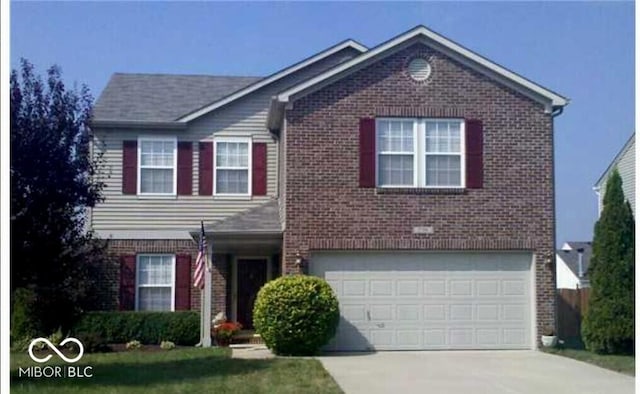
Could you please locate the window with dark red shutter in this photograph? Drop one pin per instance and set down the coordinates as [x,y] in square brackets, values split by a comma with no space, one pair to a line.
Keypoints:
[205,167]
[127,282]
[474,142]
[367,152]
[259,175]
[185,168]
[129,167]
[183,282]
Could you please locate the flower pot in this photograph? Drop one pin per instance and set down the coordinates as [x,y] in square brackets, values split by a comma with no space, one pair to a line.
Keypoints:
[223,342]
[549,340]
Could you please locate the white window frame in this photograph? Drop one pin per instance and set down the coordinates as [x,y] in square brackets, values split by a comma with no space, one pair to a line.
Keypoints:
[420,153]
[172,139]
[415,152]
[249,143]
[173,278]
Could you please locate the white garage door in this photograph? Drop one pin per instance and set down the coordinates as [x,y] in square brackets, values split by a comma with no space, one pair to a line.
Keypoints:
[411,301]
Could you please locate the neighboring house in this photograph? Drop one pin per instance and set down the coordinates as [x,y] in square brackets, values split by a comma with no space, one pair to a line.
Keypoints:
[625,162]
[416,177]
[572,263]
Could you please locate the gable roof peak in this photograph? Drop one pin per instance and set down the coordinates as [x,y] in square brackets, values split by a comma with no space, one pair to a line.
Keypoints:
[493,70]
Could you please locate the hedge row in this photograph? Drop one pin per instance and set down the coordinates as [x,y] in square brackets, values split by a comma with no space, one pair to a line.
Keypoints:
[182,328]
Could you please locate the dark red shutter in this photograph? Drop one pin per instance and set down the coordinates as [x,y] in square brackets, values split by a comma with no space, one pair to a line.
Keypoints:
[205,165]
[474,153]
[129,167]
[183,282]
[185,168]
[367,152]
[127,282]
[259,174]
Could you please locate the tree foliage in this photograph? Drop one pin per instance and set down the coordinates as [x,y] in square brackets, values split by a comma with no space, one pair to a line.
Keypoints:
[52,185]
[608,326]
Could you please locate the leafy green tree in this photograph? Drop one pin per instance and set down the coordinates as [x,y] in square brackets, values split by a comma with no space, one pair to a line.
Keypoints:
[52,185]
[608,326]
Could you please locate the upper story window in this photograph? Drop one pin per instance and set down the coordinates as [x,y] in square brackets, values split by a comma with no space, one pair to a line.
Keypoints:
[232,166]
[157,168]
[420,153]
[155,282]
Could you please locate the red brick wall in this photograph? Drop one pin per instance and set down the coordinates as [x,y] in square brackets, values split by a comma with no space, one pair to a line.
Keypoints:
[120,247]
[326,209]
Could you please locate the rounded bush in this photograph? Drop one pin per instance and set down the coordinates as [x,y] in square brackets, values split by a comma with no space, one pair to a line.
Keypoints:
[296,315]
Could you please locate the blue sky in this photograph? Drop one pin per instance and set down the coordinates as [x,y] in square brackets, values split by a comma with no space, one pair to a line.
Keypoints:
[582,50]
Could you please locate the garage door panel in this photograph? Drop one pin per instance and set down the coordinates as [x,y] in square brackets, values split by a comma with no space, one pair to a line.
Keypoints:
[352,287]
[435,287]
[408,288]
[408,313]
[429,300]
[380,287]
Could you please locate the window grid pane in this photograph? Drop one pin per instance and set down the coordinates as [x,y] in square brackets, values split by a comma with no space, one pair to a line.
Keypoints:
[155,270]
[395,136]
[157,153]
[232,181]
[154,298]
[155,282]
[443,170]
[157,161]
[156,180]
[442,137]
[232,155]
[395,170]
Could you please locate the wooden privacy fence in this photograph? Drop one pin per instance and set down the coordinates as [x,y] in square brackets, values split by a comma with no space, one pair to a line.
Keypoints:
[572,306]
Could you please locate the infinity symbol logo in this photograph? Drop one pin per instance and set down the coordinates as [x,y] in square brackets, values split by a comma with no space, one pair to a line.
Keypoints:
[58,352]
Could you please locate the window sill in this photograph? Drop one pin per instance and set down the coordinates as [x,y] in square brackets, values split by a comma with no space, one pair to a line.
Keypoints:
[157,197]
[419,190]
[223,197]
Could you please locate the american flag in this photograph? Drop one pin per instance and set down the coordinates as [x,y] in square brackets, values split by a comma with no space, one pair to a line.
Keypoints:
[201,260]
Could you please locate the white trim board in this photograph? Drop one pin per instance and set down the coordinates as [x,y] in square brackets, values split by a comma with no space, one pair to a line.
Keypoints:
[274,77]
[144,234]
[442,44]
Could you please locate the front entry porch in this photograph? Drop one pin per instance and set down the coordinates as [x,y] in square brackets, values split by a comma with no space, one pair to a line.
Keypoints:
[247,250]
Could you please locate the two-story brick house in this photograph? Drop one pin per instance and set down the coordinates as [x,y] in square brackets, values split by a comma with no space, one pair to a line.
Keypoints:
[415,176]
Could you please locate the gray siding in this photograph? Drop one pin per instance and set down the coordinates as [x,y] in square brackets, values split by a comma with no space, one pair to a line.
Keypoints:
[245,117]
[626,168]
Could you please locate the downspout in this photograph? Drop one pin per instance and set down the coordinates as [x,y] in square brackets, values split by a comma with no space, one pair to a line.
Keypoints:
[556,111]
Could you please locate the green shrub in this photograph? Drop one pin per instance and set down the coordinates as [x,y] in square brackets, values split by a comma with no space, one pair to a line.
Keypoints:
[20,345]
[296,315]
[182,327]
[23,313]
[93,343]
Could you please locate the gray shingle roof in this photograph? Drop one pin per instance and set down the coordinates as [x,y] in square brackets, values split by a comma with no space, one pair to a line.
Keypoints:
[162,97]
[262,219]
[570,257]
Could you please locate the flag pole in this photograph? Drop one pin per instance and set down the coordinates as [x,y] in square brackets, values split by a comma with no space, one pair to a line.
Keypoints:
[206,310]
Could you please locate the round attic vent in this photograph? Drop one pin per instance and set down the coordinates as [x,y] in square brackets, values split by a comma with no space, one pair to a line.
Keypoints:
[419,69]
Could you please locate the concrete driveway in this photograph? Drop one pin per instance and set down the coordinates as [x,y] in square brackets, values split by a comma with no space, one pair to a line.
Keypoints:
[495,372]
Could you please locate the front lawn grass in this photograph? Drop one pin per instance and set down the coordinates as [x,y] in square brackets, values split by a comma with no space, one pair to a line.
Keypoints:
[185,370]
[625,364]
